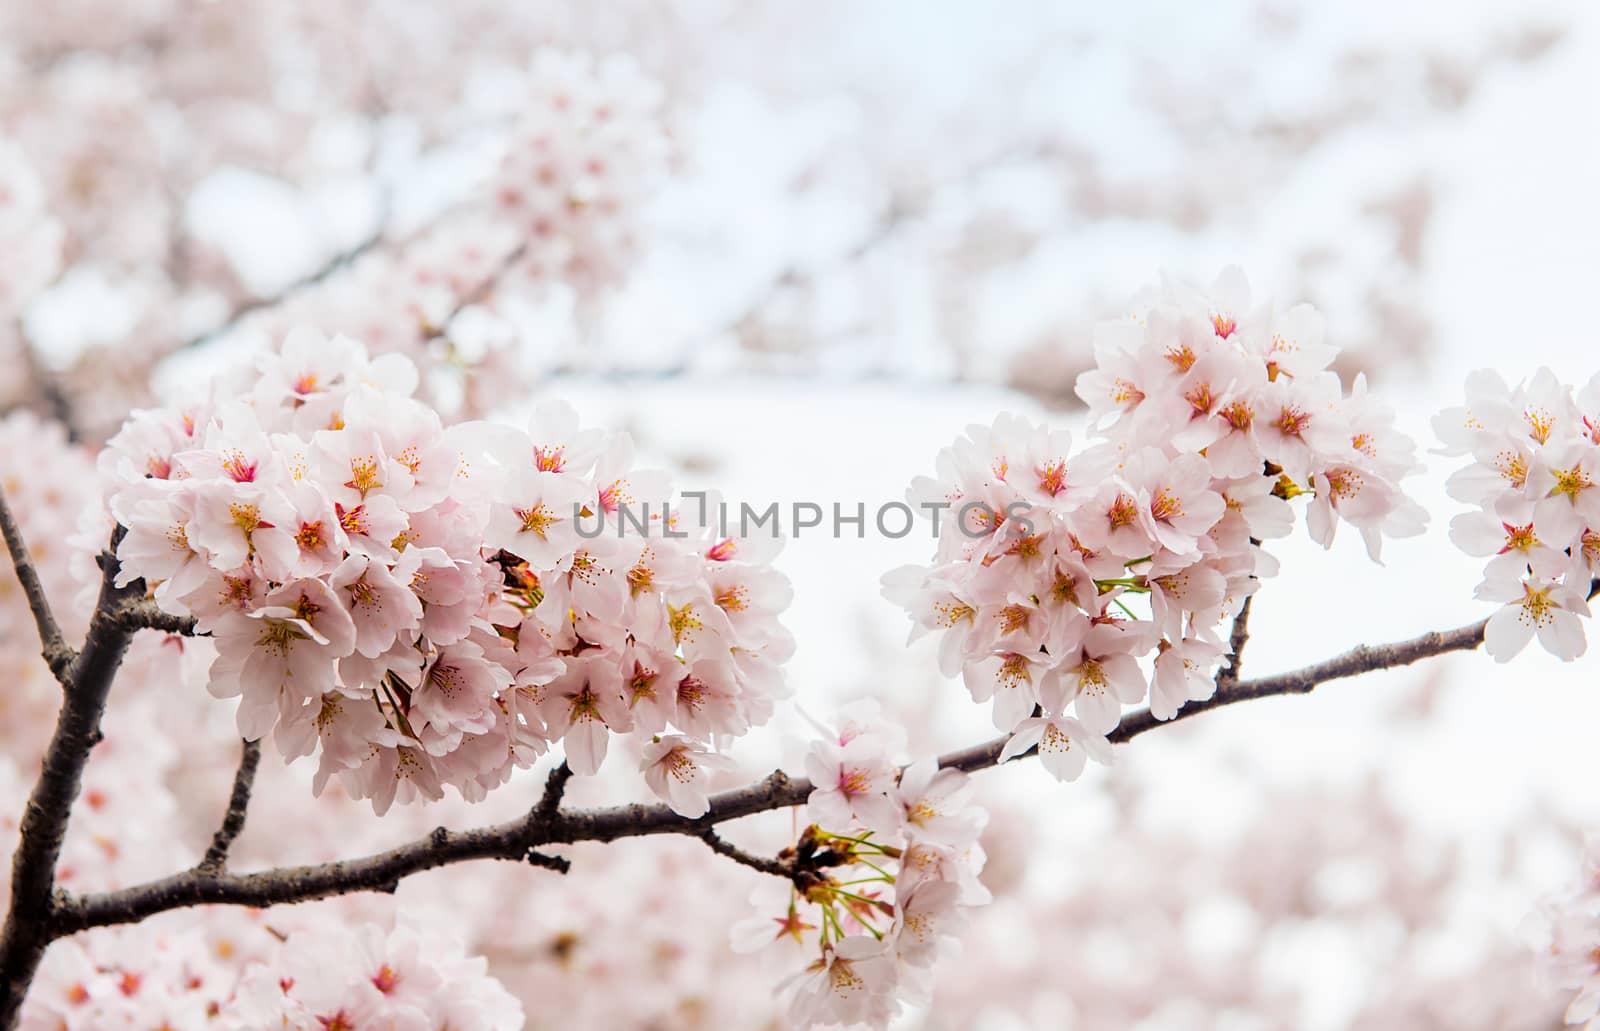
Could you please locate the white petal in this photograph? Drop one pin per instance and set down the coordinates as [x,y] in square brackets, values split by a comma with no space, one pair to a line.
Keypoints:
[1064,763]
[1563,636]
[1476,534]
[585,743]
[1097,747]
[1026,737]
[1506,634]
[1012,705]
[687,798]
[258,712]
[1099,711]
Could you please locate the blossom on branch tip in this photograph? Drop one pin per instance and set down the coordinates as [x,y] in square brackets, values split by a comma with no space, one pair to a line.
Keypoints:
[413,603]
[882,879]
[1532,475]
[1215,419]
[1065,745]
[677,768]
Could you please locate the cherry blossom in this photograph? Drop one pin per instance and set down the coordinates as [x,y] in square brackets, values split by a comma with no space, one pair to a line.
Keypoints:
[1534,463]
[415,601]
[677,769]
[370,585]
[330,977]
[1065,745]
[1215,418]
[853,783]
[587,153]
[885,874]
[412,605]
[32,237]
[1532,606]
[1569,926]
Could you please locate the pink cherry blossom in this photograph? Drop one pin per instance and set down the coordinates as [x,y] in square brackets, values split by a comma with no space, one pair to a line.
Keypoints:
[1533,606]
[1531,475]
[852,783]
[677,769]
[1065,745]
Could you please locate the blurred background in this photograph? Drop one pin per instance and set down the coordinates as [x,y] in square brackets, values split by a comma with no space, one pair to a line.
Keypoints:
[795,250]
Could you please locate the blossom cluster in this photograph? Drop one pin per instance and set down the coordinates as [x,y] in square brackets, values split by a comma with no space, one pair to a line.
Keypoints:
[120,821]
[426,605]
[1535,463]
[366,977]
[885,873]
[1211,416]
[582,149]
[1569,927]
[236,971]
[589,150]
[30,258]
[32,238]
[47,482]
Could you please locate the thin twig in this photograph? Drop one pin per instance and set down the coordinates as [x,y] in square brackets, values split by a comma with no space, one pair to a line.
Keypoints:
[723,847]
[57,654]
[555,787]
[560,864]
[1237,639]
[216,856]
[516,840]
[144,614]
[1360,659]
[545,812]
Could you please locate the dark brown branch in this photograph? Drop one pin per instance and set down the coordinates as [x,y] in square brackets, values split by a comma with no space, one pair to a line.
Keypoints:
[560,864]
[1237,639]
[1360,659]
[515,840]
[216,856]
[144,614]
[555,786]
[57,654]
[512,841]
[722,847]
[33,920]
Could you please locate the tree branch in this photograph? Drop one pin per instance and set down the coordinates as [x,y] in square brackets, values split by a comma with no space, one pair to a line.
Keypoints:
[1237,639]
[1360,659]
[216,856]
[33,920]
[560,864]
[57,654]
[144,614]
[722,847]
[555,786]
[516,840]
